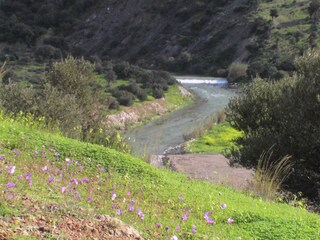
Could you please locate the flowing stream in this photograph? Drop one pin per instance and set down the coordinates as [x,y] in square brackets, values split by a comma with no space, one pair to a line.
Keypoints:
[167,131]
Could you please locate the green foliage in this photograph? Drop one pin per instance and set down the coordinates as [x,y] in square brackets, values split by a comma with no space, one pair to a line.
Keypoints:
[72,76]
[217,140]
[282,115]
[237,71]
[15,98]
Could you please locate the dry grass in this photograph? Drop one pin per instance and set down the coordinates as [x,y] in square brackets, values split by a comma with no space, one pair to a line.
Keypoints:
[270,175]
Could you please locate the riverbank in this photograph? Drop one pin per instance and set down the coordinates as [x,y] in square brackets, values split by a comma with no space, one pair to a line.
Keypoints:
[130,117]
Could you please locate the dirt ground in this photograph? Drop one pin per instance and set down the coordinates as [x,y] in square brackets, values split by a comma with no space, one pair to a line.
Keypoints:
[212,168]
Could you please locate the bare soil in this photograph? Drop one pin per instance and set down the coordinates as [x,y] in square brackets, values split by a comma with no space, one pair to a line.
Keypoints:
[44,221]
[212,168]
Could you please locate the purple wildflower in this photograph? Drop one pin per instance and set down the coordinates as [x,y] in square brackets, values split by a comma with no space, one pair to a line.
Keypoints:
[45,168]
[36,152]
[51,179]
[230,220]
[68,161]
[184,217]
[85,180]
[142,216]
[130,208]
[89,199]
[194,230]
[174,237]
[11,169]
[119,212]
[159,225]
[57,154]
[128,193]
[1,157]
[209,220]
[16,152]
[112,207]
[139,212]
[11,185]
[113,196]
[63,189]
[20,177]
[223,206]
[28,177]
[10,196]
[75,182]
[167,228]
[178,227]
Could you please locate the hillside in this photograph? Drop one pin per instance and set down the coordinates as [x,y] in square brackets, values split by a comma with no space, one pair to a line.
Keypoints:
[57,187]
[199,37]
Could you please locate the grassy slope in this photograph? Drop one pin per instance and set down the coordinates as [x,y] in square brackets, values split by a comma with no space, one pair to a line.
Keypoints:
[215,141]
[156,192]
[293,18]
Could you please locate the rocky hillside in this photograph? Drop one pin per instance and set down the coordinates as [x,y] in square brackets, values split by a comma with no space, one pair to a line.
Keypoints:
[199,37]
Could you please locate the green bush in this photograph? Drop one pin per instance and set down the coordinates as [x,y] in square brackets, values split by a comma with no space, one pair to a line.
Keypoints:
[284,116]
[157,93]
[15,98]
[237,71]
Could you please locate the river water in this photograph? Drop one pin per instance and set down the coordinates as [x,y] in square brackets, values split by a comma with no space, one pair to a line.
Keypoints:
[167,131]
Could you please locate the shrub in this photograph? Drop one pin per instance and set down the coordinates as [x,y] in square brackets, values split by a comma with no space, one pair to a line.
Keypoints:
[123,96]
[122,70]
[15,98]
[57,105]
[157,93]
[237,71]
[72,76]
[47,52]
[283,115]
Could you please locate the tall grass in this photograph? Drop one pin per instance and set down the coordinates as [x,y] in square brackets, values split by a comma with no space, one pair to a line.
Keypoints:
[270,175]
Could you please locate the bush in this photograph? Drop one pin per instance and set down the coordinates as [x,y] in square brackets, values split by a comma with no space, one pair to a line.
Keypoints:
[237,71]
[284,116]
[15,98]
[157,93]
[122,70]
[123,96]
[47,52]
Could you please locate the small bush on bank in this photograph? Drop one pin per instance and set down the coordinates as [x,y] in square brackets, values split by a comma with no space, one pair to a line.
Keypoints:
[158,93]
[237,71]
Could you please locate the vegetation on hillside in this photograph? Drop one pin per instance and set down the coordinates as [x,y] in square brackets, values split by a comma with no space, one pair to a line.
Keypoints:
[199,37]
[49,181]
[74,96]
[282,117]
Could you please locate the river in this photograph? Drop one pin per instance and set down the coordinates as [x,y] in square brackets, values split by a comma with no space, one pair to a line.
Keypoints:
[167,131]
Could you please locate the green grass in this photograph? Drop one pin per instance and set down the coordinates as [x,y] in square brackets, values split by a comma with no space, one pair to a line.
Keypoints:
[156,192]
[215,141]
[175,100]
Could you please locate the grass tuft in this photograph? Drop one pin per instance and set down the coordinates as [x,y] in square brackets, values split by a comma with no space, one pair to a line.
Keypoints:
[269,176]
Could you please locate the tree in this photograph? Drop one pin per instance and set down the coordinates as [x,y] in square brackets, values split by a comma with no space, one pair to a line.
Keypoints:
[274,13]
[284,116]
